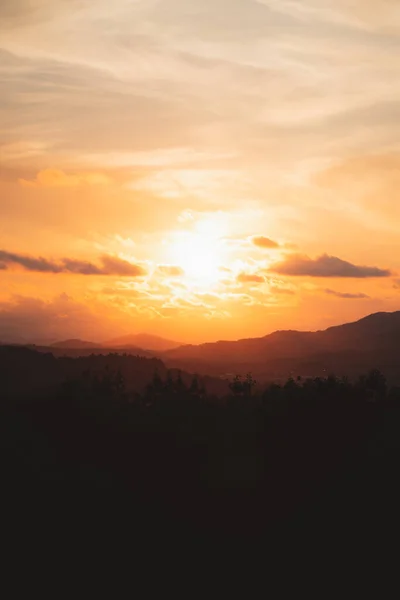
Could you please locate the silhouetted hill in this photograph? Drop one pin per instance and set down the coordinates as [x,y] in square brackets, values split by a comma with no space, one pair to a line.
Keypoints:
[346,349]
[143,340]
[29,370]
[75,344]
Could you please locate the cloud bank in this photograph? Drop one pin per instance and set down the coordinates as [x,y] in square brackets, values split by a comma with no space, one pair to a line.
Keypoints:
[109,265]
[325,266]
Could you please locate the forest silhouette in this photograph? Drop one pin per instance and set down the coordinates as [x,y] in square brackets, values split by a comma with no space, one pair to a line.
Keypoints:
[83,445]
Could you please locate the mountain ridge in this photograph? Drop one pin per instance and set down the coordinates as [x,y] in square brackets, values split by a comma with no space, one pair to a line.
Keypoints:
[298,332]
[350,348]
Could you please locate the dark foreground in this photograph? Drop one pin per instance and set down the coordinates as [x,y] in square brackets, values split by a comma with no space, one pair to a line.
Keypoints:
[307,467]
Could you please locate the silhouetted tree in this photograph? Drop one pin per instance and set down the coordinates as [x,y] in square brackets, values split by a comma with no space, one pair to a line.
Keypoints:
[240,387]
[376,383]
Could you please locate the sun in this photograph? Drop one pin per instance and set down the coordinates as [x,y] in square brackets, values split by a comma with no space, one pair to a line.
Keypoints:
[199,255]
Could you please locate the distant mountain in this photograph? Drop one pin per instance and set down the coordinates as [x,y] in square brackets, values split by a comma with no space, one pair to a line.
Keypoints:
[346,349]
[143,340]
[75,344]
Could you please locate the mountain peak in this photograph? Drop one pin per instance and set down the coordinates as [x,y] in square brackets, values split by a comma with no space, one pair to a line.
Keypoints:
[146,341]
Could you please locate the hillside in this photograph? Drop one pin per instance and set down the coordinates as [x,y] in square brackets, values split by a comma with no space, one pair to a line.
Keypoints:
[43,370]
[348,349]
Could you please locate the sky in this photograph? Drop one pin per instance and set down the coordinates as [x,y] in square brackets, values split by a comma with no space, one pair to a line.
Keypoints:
[197,170]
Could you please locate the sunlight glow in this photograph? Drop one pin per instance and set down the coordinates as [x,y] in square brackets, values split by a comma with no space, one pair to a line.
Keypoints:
[199,255]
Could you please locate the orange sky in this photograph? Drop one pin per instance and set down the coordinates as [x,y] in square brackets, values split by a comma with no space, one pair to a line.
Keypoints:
[197,170]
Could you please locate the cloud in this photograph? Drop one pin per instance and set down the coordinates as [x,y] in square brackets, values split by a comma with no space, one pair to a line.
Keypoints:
[263,242]
[32,11]
[346,295]
[112,265]
[200,183]
[370,182]
[360,14]
[80,267]
[250,278]
[171,270]
[30,320]
[325,266]
[30,264]
[57,178]
[281,290]
[109,265]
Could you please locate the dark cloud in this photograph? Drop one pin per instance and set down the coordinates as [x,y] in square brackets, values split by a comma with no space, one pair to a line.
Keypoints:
[3,267]
[110,265]
[250,278]
[171,270]
[263,242]
[325,266]
[29,263]
[79,267]
[346,295]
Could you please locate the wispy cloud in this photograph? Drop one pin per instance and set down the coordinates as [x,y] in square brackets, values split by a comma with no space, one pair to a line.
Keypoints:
[57,178]
[250,278]
[171,270]
[372,15]
[346,295]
